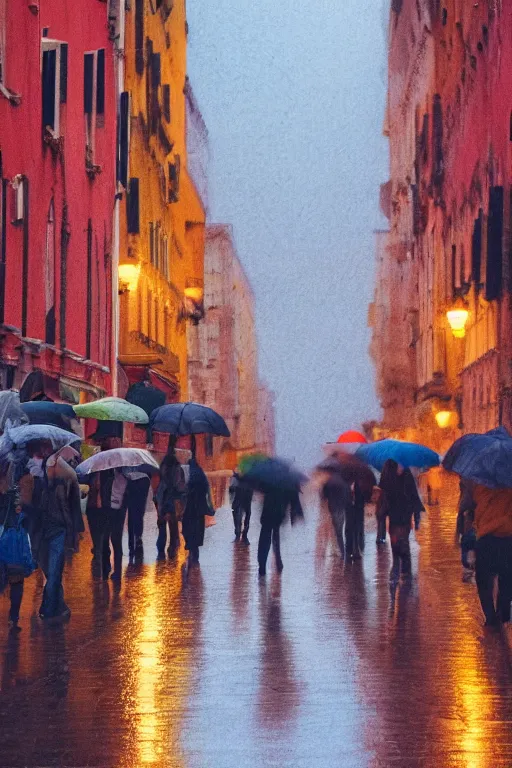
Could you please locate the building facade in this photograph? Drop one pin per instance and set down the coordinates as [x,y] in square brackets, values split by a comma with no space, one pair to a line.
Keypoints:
[162,216]
[57,170]
[449,127]
[223,356]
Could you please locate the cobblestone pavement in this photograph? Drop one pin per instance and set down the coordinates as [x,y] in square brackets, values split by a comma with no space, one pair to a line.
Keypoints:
[321,667]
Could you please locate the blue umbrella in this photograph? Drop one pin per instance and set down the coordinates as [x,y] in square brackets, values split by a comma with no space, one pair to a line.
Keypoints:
[46,412]
[484,459]
[406,454]
[188,419]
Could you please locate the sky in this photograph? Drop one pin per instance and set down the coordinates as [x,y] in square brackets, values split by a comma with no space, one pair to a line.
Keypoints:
[293,96]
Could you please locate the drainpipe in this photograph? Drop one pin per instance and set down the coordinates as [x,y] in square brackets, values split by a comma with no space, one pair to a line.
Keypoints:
[119,85]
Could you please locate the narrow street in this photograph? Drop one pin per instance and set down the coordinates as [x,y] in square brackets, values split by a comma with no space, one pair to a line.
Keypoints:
[319,668]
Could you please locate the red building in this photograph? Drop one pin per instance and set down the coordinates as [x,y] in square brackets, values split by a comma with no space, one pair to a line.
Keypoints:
[58,186]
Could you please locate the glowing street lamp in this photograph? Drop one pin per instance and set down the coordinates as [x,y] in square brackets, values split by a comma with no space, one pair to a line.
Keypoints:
[129,276]
[444,419]
[457,319]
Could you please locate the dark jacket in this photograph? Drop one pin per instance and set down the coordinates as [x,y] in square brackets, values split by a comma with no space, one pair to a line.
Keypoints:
[197,506]
[100,489]
[172,486]
[276,504]
[400,500]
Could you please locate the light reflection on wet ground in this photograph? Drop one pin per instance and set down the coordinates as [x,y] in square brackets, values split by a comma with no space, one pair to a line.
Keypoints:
[323,666]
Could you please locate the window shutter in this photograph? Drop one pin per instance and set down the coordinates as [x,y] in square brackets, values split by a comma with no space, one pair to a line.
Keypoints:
[494,271]
[151,242]
[174,180]
[139,36]
[63,73]
[88,82]
[476,249]
[49,65]
[123,139]
[155,70]
[132,208]
[100,83]
[166,98]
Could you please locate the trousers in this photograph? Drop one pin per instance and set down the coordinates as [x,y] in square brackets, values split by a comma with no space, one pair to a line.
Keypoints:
[494,560]
[269,535]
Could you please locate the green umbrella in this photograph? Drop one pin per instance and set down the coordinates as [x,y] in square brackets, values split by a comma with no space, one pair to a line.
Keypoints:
[112,409]
[247,462]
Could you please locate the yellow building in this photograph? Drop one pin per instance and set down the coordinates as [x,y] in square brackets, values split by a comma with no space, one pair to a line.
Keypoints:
[162,214]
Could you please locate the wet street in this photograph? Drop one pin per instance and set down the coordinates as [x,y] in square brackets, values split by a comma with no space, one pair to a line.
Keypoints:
[321,667]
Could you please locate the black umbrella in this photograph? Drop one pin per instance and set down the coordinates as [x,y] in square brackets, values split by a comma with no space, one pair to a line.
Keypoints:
[188,419]
[274,474]
[46,412]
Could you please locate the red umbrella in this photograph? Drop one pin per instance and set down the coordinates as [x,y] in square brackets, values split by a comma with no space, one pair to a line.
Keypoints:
[352,437]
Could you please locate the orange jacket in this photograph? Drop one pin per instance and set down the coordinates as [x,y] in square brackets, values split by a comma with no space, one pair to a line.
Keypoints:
[493,511]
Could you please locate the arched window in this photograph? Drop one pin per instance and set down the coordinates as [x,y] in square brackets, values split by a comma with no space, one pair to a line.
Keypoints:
[49,276]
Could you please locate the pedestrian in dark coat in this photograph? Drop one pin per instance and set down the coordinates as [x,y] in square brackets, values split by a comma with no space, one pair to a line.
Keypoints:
[171,491]
[400,502]
[275,506]
[197,506]
[241,504]
[336,492]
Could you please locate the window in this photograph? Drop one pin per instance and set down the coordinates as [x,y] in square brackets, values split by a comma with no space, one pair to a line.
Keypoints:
[94,101]
[152,243]
[132,208]
[174,180]
[49,276]
[494,266]
[166,99]
[139,36]
[123,138]
[476,249]
[54,84]
[154,104]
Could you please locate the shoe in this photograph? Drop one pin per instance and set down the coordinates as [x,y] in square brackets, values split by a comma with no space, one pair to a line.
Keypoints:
[237,538]
[379,541]
[262,572]
[139,546]
[13,625]
[115,576]
[245,540]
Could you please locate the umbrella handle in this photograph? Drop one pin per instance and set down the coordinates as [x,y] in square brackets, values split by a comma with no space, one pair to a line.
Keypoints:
[193,445]
[173,439]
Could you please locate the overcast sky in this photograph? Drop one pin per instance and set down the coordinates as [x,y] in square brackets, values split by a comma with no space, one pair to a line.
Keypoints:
[293,97]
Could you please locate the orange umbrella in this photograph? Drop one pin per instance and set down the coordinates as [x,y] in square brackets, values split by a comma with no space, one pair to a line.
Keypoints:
[352,437]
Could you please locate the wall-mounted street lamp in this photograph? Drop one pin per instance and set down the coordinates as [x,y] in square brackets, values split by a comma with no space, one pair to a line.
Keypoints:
[444,419]
[128,277]
[457,319]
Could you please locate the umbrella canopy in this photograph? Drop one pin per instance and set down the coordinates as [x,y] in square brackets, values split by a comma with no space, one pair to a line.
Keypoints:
[246,462]
[274,474]
[406,454]
[145,396]
[188,419]
[484,459]
[116,458]
[352,436]
[351,470]
[111,409]
[11,413]
[27,433]
[46,412]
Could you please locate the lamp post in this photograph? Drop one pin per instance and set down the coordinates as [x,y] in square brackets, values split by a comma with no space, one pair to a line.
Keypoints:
[457,318]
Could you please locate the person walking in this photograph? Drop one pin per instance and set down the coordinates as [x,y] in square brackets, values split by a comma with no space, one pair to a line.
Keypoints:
[241,504]
[492,510]
[170,493]
[336,492]
[275,506]
[400,502]
[136,499]
[198,505]
[16,561]
[57,506]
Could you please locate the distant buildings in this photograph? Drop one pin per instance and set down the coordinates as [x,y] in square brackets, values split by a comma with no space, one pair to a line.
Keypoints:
[442,319]
[223,356]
